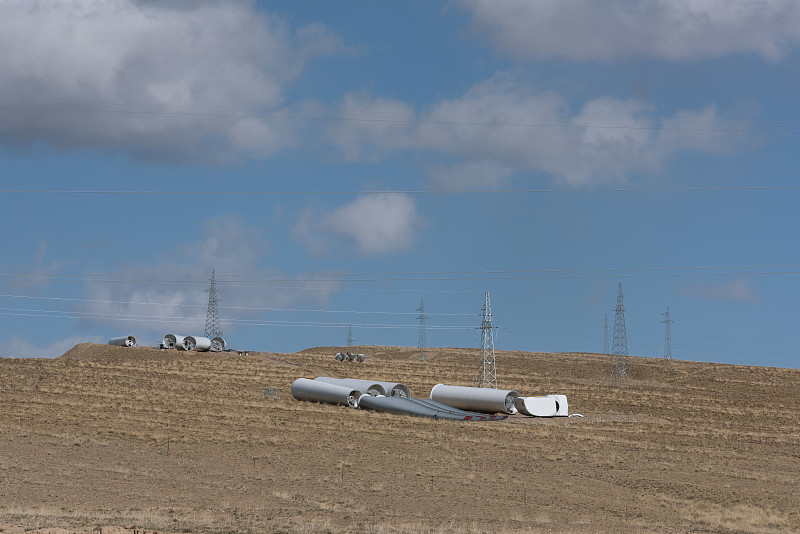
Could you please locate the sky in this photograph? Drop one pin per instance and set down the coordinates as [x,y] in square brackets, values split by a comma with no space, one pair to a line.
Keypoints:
[338,164]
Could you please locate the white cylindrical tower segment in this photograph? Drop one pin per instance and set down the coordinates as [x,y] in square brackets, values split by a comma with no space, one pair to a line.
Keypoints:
[172,341]
[488,400]
[366,386]
[218,344]
[124,341]
[314,390]
[200,344]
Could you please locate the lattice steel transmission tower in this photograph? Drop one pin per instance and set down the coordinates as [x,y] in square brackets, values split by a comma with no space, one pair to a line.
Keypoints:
[350,339]
[487,376]
[605,334]
[619,352]
[421,318]
[667,336]
[213,324]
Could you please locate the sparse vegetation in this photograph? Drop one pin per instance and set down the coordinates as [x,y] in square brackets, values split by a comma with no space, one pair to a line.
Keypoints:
[185,442]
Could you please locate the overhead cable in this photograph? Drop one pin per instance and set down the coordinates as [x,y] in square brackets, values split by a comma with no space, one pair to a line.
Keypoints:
[403,192]
[76,108]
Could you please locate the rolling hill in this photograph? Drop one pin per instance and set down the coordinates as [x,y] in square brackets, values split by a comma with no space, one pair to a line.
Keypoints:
[139,438]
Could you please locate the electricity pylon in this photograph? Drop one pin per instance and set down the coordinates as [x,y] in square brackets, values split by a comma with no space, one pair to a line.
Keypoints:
[213,324]
[487,376]
[619,353]
[667,336]
[421,318]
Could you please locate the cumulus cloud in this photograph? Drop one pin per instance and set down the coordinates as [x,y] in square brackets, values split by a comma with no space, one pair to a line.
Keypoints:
[169,295]
[159,79]
[376,224]
[17,347]
[738,290]
[674,30]
[38,272]
[501,126]
[480,174]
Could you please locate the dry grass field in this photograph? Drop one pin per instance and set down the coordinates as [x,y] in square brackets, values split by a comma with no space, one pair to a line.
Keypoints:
[167,441]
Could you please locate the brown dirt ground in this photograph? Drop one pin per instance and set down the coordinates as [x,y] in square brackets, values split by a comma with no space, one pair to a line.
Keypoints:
[136,440]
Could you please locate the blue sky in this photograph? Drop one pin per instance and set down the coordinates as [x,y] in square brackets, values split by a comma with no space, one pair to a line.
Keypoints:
[339,162]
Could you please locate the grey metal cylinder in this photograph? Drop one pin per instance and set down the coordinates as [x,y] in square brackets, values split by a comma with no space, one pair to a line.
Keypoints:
[422,408]
[487,400]
[366,386]
[200,344]
[172,341]
[316,391]
[218,344]
[396,405]
[395,389]
[373,387]
[124,341]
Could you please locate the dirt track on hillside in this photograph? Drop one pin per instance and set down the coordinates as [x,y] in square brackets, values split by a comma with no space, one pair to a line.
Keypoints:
[185,442]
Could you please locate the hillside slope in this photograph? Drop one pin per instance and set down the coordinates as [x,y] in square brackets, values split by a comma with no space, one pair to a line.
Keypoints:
[185,442]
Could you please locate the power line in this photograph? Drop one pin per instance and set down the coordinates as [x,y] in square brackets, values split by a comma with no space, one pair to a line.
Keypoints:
[247,308]
[448,192]
[573,335]
[265,283]
[339,288]
[431,121]
[398,112]
[138,277]
[364,312]
[170,319]
[189,277]
[102,316]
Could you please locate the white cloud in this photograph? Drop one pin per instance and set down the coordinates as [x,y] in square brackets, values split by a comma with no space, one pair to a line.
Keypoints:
[386,124]
[309,231]
[481,174]
[738,290]
[377,224]
[502,126]
[151,72]
[156,299]
[38,272]
[675,30]
[17,347]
